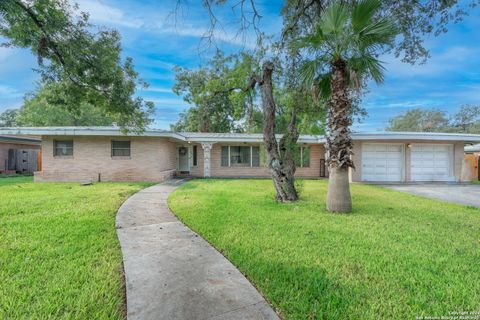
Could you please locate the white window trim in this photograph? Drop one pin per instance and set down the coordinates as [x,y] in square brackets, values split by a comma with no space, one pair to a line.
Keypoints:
[301,157]
[251,155]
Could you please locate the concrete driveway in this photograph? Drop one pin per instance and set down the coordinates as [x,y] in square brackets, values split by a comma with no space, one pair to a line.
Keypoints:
[458,193]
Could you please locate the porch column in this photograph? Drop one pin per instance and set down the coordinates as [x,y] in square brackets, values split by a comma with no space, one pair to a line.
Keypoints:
[207,147]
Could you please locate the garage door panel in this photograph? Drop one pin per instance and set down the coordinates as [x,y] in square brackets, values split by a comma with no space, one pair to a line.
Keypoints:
[430,162]
[394,148]
[382,162]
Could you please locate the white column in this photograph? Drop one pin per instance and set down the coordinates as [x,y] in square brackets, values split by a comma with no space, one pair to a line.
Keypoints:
[207,148]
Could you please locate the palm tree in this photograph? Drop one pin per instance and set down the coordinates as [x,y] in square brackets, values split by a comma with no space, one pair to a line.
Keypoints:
[344,50]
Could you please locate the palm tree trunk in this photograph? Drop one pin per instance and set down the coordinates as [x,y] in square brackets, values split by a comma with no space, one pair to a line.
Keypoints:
[279,155]
[339,141]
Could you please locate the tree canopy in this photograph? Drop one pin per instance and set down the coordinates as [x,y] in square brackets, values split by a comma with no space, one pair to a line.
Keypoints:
[221,102]
[83,61]
[45,107]
[466,120]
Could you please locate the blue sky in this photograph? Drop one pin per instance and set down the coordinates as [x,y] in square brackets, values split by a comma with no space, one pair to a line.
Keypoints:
[157,43]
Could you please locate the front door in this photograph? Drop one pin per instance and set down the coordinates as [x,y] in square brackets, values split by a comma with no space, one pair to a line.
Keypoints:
[183,159]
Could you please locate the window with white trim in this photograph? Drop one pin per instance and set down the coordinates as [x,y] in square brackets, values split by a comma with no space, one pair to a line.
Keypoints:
[240,156]
[302,160]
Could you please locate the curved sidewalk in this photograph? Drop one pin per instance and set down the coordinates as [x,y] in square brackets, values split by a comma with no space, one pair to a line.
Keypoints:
[172,273]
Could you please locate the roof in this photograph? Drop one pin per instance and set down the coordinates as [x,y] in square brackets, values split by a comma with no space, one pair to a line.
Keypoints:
[21,140]
[472,149]
[230,137]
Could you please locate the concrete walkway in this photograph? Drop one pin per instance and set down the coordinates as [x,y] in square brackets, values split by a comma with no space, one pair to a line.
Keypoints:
[172,273]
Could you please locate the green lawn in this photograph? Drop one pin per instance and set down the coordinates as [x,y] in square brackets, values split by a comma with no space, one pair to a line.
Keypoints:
[396,256]
[59,254]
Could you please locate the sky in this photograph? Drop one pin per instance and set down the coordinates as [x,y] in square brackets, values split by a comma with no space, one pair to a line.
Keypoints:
[158,40]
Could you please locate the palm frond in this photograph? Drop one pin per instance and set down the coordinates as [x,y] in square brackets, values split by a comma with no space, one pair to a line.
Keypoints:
[334,19]
[380,32]
[366,65]
[324,88]
[363,13]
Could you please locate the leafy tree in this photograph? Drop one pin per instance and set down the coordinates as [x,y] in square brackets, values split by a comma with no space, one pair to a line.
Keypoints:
[45,107]
[415,19]
[466,120]
[344,49]
[9,118]
[85,64]
[216,106]
[419,120]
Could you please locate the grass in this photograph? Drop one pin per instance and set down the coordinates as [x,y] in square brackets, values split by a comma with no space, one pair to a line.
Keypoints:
[59,254]
[397,256]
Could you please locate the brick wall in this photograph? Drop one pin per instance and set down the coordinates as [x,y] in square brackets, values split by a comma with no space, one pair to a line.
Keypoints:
[151,159]
[317,152]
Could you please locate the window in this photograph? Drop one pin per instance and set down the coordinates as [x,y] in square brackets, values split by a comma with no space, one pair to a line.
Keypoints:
[195,155]
[240,156]
[302,159]
[63,148]
[305,157]
[225,153]
[255,157]
[120,148]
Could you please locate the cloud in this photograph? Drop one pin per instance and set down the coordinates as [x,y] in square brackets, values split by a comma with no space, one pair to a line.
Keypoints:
[100,12]
[9,92]
[169,102]
[106,14]
[451,59]
[5,53]
[158,89]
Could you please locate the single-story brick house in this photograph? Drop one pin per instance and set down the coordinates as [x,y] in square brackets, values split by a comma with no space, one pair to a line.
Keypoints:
[106,154]
[19,154]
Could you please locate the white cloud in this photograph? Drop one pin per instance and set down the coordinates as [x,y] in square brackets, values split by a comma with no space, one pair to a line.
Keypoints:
[106,14]
[5,53]
[100,12]
[9,92]
[158,89]
[453,59]
[169,102]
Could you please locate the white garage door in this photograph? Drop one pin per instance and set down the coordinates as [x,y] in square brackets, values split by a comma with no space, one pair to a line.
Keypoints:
[382,162]
[432,162]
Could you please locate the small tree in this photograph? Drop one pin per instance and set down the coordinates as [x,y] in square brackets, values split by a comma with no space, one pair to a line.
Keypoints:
[345,45]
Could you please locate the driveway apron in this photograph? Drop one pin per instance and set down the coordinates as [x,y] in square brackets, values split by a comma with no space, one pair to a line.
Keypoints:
[459,193]
[173,273]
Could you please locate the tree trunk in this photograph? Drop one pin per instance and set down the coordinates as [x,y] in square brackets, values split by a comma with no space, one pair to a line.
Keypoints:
[338,194]
[339,141]
[279,155]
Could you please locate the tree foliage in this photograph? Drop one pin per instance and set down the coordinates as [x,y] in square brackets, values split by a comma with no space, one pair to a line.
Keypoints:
[466,120]
[9,118]
[45,107]
[84,63]
[219,105]
[414,20]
